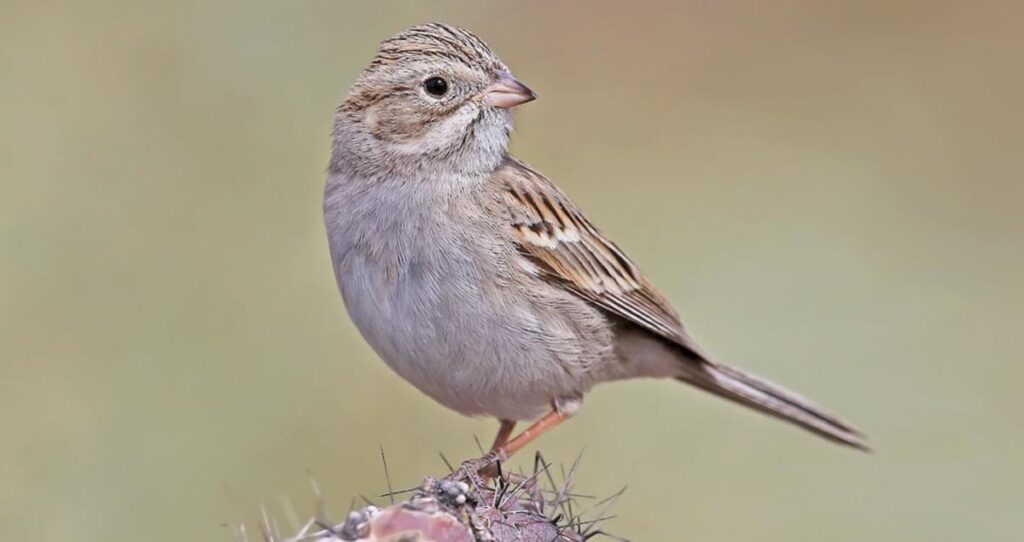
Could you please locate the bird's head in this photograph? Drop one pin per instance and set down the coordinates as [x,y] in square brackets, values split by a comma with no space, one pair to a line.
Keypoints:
[435,98]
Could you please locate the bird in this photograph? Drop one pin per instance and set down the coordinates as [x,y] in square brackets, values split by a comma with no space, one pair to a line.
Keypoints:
[477,279]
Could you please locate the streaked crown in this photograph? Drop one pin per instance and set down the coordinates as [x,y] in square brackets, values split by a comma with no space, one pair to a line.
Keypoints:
[438,41]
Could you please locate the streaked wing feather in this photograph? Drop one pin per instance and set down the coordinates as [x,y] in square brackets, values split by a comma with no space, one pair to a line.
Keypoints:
[556,236]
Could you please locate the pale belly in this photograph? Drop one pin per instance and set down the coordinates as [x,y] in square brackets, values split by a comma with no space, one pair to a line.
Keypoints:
[473,346]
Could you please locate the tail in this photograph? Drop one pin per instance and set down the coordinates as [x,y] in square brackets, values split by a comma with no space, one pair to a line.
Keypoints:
[766,397]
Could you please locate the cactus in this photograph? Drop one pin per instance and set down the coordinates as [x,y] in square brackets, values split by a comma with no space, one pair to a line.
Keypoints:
[466,506]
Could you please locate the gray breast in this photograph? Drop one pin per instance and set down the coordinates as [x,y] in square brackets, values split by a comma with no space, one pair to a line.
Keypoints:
[440,292]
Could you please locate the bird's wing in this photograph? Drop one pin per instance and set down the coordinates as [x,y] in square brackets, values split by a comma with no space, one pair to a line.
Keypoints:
[572,252]
[564,245]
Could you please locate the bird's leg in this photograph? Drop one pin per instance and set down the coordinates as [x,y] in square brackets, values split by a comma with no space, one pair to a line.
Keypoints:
[490,468]
[529,434]
[504,432]
[501,452]
[563,410]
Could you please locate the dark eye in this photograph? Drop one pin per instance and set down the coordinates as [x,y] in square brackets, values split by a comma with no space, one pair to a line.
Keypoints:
[435,86]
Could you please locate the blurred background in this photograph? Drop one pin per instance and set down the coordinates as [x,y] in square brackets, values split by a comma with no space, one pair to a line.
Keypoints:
[829,192]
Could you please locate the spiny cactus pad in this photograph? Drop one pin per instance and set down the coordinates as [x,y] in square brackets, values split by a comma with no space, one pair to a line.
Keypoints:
[467,507]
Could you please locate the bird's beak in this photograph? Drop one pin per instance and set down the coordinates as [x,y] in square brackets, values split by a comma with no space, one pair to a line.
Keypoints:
[505,92]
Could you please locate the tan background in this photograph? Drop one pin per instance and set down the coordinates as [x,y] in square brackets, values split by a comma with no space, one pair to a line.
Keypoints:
[830,193]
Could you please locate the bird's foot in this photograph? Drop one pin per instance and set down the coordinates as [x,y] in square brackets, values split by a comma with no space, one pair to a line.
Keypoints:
[480,470]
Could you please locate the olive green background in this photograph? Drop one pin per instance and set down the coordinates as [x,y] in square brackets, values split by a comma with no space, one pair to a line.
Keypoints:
[829,191]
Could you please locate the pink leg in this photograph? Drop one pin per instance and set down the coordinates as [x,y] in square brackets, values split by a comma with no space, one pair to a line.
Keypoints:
[504,432]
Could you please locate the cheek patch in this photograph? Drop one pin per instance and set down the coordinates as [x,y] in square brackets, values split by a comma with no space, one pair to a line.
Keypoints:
[397,120]
[437,133]
[396,124]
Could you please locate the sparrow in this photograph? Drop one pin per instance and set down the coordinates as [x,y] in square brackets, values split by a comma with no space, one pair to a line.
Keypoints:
[478,280]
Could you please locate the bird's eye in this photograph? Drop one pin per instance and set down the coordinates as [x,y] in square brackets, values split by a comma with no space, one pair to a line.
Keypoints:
[436,86]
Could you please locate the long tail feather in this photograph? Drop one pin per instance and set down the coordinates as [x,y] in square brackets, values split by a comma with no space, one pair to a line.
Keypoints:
[773,400]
